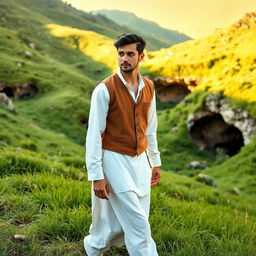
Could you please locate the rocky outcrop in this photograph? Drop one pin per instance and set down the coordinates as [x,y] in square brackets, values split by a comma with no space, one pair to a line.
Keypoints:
[173,89]
[19,238]
[196,165]
[19,90]
[5,100]
[201,177]
[218,126]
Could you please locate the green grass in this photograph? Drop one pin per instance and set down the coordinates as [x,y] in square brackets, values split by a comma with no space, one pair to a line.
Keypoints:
[239,171]
[17,132]
[53,211]
[63,106]
[47,198]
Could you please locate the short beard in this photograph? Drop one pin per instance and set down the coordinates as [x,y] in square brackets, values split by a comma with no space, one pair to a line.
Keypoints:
[127,70]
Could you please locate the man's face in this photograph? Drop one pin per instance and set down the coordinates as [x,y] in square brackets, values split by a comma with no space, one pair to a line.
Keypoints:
[129,57]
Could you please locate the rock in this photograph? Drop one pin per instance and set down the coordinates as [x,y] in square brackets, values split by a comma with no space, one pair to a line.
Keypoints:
[235,191]
[19,64]
[206,179]
[35,186]
[5,100]
[196,165]
[28,54]
[19,238]
[80,176]
[218,125]
[32,45]
[174,129]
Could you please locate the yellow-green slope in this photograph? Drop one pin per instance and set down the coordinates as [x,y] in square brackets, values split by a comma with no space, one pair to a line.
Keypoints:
[224,61]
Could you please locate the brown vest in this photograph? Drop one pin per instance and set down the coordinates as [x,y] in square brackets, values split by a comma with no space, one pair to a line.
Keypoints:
[127,121]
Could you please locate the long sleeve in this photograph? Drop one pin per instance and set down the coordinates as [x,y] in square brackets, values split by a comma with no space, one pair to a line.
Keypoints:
[152,150]
[97,125]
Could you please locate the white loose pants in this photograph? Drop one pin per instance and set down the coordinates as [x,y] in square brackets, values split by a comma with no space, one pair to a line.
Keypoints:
[123,219]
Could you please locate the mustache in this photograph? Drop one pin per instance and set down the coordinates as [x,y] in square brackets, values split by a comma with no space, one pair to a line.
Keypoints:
[125,63]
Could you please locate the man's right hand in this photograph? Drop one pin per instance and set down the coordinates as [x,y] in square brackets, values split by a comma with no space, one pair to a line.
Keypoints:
[101,189]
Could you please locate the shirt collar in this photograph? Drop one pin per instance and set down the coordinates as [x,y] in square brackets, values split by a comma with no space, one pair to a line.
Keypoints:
[141,81]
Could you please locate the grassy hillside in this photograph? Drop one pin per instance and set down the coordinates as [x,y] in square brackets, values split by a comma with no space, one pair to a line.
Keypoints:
[56,81]
[94,45]
[18,133]
[62,74]
[143,26]
[64,14]
[224,61]
[49,202]
[44,192]
[65,70]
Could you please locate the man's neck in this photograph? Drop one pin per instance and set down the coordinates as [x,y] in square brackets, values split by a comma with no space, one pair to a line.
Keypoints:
[131,77]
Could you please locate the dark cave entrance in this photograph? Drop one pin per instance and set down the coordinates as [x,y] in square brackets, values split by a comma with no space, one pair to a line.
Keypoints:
[174,89]
[174,92]
[8,91]
[211,132]
[20,91]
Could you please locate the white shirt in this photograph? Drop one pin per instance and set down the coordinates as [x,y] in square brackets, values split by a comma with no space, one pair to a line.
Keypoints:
[123,172]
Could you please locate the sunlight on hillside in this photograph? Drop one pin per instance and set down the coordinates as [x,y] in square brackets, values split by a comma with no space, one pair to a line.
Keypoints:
[92,44]
[224,61]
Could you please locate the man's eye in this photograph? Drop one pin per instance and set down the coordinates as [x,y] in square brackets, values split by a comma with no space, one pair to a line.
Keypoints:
[121,54]
[131,54]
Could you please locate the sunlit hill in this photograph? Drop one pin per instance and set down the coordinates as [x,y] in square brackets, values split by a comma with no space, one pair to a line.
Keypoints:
[224,61]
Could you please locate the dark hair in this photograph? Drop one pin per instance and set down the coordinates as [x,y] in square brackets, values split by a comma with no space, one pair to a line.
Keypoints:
[130,38]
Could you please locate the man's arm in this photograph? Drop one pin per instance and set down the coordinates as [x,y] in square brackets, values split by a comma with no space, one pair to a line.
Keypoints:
[97,125]
[152,150]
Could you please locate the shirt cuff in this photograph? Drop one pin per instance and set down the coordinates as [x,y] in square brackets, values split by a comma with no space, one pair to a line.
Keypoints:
[154,159]
[95,176]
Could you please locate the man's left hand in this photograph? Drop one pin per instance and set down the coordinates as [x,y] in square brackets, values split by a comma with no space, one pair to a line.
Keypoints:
[155,176]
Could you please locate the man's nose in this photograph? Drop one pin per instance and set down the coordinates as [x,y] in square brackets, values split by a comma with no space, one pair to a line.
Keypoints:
[124,57]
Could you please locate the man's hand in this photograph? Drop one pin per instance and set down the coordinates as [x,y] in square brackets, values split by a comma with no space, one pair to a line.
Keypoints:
[155,176]
[101,189]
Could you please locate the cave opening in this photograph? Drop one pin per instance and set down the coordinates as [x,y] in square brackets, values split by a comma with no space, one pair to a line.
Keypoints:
[174,89]
[28,91]
[8,91]
[174,92]
[20,91]
[211,133]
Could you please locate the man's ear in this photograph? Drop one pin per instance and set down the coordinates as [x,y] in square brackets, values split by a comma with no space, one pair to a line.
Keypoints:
[141,56]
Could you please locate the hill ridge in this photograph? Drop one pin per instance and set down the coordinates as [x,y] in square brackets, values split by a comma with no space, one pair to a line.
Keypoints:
[144,26]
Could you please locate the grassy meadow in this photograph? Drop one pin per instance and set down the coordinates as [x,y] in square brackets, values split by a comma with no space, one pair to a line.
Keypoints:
[44,192]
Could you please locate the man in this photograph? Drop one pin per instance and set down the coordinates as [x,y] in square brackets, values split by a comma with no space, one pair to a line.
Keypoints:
[122,128]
